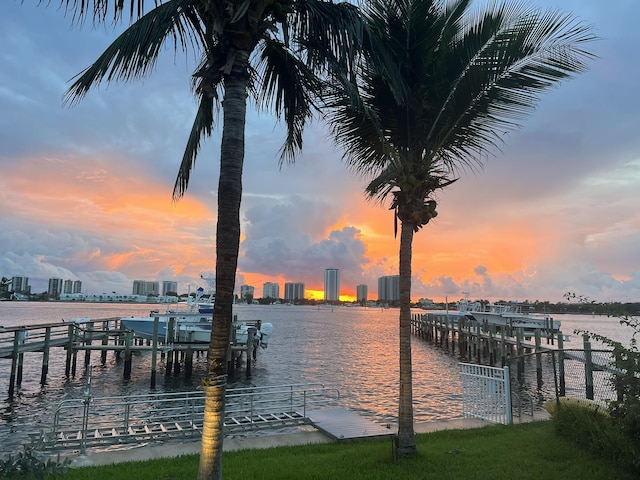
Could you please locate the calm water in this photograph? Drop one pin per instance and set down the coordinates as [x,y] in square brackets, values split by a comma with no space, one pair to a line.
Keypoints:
[351,348]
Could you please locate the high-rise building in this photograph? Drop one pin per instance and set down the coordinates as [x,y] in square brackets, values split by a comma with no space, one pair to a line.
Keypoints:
[20,285]
[362,292]
[293,291]
[55,287]
[152,288]
[169,287]
[389,288]
[332,284]
[142,287]
[246,291]
[139,287]
[77,286]
[270,290]
[68,286]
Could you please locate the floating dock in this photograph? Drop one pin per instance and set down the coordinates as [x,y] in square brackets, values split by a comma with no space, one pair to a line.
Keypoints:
[341,424]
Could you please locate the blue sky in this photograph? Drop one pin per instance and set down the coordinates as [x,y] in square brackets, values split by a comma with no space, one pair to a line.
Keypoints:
[85,191]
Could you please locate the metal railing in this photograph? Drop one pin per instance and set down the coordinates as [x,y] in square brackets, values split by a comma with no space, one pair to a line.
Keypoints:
[92,421]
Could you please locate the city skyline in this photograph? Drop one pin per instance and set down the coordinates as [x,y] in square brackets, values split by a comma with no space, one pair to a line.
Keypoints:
[88,197]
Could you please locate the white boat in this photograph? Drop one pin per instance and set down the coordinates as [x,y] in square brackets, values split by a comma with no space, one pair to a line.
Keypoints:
[507,315]
[191,322]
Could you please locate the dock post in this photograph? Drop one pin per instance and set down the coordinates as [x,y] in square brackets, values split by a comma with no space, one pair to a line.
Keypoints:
[249,347]
[20,369]
[127,356]
[478,344]
[87,342]
[561,382]
[231,365]
[14,363]
[538,359]
[171,354]
[176,363]
[503,346]
[169,365]
[105,342]
[453,337]
[492,352]
[435,330]
[188,362]
[588,367]
[472,341]
[154,350]
[45,356]
[446,332]
[520,353]
[74,356]
[67,366]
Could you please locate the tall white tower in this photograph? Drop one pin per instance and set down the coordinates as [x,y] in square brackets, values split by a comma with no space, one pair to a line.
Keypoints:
[332,285]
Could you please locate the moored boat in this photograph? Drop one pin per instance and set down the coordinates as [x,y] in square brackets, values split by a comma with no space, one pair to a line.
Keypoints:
[191,322]
[504,315]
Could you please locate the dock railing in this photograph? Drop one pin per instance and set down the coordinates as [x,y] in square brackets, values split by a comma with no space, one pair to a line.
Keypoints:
[94,421]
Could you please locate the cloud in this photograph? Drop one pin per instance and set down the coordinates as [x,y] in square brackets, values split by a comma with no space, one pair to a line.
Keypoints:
[295,240]
[85,190]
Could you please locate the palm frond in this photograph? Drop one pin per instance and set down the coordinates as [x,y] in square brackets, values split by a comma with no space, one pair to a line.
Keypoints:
[99,9]
[203,125]
[328,33]
[286,83]
[135,52]
[508,59]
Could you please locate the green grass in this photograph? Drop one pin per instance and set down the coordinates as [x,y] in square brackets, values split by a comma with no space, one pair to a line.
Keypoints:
[526,451]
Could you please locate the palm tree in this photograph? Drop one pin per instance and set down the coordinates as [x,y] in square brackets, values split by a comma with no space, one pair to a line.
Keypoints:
[433,95]
[274,50]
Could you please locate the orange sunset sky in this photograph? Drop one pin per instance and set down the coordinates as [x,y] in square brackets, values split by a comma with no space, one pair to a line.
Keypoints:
[85,191]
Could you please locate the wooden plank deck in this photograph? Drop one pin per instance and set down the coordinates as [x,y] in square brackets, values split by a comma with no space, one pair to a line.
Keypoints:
[341,424]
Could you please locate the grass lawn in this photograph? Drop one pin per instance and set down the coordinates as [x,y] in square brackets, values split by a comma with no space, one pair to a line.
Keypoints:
[526,451]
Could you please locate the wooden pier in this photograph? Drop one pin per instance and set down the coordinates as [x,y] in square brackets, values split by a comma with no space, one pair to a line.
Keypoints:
[102,335]
[486,344]
[475,340]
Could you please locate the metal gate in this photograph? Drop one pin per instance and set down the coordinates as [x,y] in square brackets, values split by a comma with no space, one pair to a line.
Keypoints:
[486,393]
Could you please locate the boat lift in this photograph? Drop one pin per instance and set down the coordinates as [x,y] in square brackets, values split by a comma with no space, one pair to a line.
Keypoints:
[88,422]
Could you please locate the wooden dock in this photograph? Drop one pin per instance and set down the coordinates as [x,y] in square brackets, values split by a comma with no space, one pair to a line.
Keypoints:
[101,335]
[484,344]
[477,341]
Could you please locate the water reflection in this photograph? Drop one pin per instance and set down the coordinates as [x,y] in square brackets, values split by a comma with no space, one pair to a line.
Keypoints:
[352,349]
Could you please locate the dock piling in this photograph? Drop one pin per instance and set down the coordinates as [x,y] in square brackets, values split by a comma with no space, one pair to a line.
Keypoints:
[45,356]
[127,356]
[154,350]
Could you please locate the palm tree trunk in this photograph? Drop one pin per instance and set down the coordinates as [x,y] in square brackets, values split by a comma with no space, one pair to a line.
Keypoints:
[227,245]
[406,436]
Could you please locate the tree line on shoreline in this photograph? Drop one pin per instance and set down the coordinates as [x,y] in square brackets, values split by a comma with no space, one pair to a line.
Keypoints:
[537,306]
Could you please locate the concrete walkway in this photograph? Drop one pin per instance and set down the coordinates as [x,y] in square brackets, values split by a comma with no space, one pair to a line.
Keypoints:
[307,436]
